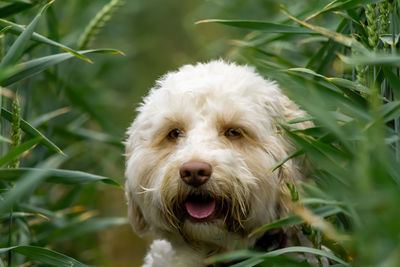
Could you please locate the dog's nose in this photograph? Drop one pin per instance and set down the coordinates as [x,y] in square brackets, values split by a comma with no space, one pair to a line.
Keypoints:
[195,173]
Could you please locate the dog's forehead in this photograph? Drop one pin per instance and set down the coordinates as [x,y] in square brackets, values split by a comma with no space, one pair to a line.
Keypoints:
[211,85]
[214,96]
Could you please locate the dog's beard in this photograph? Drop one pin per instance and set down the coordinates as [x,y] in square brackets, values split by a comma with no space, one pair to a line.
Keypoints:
[229,212]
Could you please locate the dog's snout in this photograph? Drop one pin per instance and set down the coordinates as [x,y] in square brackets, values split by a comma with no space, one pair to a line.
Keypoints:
[195,173]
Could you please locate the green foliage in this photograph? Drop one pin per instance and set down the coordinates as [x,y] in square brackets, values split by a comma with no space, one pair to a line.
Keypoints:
[73,116]
[345,74]
[98,22]
[28,221]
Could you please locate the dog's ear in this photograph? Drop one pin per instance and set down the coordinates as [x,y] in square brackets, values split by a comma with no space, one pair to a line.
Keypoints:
[135,215]
[136,218]
[291,111]
[294,170]
[289,174]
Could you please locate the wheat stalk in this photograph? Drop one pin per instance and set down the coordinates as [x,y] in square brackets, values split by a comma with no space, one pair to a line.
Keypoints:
[98,22]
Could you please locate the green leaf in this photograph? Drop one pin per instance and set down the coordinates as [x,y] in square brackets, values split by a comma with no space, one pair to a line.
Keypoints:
[57,176]
[347,84]
[318,149]
[23,215]
[15,152]
[314,251]
[18,1]
[18,47]
[391,111]
[40,64]
[3,139]
[25,207]
[280,163]
[348,87]
[44,255]
[310,201]
[337,81]
[260,26]
[305,70]
[49,116]
[337,37]
[294,219]
[30,130]
[17,29]
[394,81]
[14,8]
[341,5]
[257,257]
[80,228]
[89,134]
[5,29]
[233,256]
[7,72]
[27,182]
[372,59]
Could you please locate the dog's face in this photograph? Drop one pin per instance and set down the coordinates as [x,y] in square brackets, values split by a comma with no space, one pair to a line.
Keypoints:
[200,152]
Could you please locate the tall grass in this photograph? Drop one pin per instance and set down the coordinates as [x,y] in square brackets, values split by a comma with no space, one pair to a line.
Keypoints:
[339,61]
[38,199]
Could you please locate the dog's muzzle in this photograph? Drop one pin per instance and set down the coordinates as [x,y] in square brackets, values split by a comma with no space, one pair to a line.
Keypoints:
[199,206]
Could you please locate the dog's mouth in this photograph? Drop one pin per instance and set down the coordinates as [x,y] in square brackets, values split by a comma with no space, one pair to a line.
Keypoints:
[200,208]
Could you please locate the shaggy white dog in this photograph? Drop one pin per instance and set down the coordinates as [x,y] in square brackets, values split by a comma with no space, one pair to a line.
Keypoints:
[198,161]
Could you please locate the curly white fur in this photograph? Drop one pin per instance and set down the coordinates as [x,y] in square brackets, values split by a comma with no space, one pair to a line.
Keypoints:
[203,101]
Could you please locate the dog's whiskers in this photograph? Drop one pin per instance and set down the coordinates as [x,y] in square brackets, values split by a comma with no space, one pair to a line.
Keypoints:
[146,190]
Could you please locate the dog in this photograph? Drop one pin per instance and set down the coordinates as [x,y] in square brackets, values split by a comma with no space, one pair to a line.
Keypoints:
[198,162]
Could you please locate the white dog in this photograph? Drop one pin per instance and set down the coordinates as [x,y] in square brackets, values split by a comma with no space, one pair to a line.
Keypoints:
[198,162]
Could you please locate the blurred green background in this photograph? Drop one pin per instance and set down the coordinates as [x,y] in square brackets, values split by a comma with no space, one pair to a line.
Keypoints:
[341,65]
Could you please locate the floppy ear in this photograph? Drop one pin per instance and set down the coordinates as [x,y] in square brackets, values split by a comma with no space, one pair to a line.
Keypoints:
[294,170]
[135,216]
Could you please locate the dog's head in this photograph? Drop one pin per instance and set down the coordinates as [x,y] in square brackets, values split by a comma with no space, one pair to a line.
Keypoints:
[199,153]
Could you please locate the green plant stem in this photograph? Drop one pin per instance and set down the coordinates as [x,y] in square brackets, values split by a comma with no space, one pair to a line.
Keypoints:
[9,254]
[15,130]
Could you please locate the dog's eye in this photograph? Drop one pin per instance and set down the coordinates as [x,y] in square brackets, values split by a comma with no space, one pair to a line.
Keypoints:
[174,134]
[233,133]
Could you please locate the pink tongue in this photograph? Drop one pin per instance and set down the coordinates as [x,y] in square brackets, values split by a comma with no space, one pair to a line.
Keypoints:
[200,210]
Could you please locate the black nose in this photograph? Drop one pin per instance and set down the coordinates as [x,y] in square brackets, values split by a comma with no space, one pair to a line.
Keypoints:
[195,173]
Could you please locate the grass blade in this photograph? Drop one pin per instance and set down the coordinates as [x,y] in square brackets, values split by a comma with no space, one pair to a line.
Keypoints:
[337,37]
[305,250]
[27,182]
[294,219]
[372,59]
[280,163]
[341,5]
[5,29]
[15,152]
[32,131]
[394,81]
[260,26]
[40,64]
[11,9]
[18,47]
[17,29]
[3,139]
[49,116]
[57,176]
[80,228]
[233,256]
[44,255]
[391,111]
